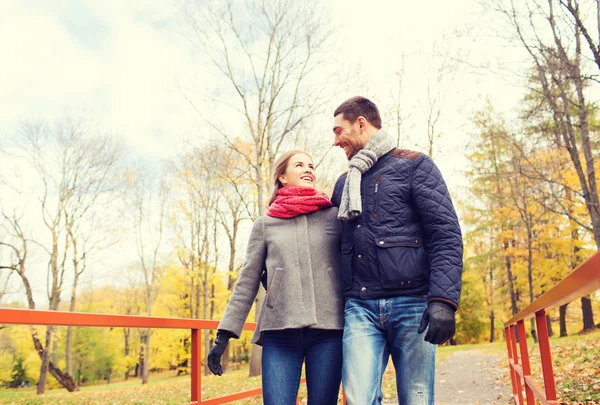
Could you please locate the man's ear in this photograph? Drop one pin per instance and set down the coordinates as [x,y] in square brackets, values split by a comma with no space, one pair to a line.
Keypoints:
[362,122]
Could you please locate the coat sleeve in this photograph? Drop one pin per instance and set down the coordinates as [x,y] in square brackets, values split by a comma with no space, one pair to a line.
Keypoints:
[442,231]
[336,196]
[248,282]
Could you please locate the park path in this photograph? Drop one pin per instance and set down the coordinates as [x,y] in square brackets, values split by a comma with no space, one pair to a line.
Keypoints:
[471,377]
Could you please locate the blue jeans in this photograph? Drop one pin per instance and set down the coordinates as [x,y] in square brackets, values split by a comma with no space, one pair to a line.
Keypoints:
[283,354]
[373,330]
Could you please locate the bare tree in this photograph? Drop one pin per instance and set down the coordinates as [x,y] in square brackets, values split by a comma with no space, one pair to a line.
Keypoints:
[272,56]
[72,167]
[442,72]
[150,193]
[197,222]
[7,269]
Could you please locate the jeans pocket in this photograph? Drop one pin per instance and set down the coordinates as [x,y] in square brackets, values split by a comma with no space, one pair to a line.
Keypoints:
[402,261]
[273,291]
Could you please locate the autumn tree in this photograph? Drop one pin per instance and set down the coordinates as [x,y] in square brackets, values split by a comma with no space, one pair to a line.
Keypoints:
[553,35]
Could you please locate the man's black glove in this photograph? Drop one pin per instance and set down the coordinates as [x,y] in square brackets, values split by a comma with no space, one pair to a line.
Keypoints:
[442,324]
[214,355]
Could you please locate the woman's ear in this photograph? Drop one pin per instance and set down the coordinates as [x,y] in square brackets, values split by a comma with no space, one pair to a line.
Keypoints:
[283,180]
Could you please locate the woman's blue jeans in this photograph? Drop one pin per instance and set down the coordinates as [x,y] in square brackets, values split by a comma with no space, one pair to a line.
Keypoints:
[283,353]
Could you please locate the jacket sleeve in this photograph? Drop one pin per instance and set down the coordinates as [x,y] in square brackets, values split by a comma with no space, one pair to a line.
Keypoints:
[248,282]
[336,196]
[442,231]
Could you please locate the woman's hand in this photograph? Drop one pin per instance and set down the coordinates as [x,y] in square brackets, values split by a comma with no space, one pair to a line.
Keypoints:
[214,355]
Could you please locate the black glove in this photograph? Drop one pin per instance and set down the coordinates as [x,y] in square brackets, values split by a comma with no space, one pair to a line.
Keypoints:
[215,353]
[442,324]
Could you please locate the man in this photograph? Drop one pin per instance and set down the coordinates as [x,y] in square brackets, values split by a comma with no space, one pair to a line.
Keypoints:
[401,260]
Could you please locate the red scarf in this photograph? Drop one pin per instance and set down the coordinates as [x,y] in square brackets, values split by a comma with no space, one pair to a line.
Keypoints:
[293,201]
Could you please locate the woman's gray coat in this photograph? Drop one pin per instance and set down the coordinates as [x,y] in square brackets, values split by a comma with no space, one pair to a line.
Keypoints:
[304,289]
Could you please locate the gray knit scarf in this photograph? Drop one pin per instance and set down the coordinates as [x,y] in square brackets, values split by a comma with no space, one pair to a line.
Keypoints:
[351,204]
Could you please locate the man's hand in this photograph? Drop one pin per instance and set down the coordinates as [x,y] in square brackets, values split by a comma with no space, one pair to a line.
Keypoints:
[441,320]
[214,355]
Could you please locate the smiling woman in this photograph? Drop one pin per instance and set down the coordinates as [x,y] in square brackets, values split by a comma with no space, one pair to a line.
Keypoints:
[297,246]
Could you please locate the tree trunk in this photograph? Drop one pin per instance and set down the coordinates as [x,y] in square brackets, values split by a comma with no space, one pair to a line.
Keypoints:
[141,358]
[588,313]
[146,368]
[44,356]
[126,332]
[68,344]
[511,284]
[47,366]
[549,324]
[563,320]
[492,331]
[55,349]
[68,361]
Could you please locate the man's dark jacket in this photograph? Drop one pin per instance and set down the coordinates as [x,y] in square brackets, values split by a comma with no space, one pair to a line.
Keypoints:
[407,240]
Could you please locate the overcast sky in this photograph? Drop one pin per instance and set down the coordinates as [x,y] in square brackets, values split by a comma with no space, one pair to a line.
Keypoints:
[126,65]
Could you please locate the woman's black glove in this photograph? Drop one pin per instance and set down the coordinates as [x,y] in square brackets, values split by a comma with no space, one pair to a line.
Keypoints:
[214,355]
[441,320]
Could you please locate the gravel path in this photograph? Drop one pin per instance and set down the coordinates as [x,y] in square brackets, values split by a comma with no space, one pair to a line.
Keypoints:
[471,377]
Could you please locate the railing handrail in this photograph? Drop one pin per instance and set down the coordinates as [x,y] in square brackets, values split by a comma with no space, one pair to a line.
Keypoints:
[582,281]
[19,316]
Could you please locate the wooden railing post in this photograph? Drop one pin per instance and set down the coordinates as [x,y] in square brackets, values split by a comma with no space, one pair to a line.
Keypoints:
[513,373]
[196,361]
[513,343]
[525,361]
[545,354]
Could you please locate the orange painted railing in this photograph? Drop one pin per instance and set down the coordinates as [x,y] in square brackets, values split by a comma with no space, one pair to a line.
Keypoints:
[56,318]
[583,281]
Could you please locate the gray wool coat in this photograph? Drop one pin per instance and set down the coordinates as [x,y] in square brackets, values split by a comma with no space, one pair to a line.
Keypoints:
[304,289]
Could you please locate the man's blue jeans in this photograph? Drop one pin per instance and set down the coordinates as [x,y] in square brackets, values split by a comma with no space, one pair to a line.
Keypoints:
[373,330]
[283,354]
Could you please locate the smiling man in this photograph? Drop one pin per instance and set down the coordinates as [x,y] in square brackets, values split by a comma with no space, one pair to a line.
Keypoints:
[401,259]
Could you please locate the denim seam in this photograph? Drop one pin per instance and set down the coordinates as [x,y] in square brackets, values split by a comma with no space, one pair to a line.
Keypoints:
[381,371]
[298,378]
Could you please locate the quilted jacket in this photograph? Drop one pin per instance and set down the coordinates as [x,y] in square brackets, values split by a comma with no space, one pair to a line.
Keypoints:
[407,240]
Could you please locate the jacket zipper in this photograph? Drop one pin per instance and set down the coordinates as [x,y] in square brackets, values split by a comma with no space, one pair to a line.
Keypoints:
[377,180]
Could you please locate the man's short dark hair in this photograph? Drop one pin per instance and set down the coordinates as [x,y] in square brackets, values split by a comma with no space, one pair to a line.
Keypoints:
[359,106]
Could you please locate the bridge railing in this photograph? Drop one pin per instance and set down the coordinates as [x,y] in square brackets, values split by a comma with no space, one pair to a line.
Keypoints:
[57,318]
[583,281]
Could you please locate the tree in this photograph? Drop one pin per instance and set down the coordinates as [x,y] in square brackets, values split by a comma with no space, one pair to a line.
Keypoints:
[150,193]
[73,167]
[553,42]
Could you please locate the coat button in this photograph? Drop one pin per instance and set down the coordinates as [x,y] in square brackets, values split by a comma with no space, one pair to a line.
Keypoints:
[360,256]
[364,289]
[409,282]
[381,242]
[402,283]
[358,226]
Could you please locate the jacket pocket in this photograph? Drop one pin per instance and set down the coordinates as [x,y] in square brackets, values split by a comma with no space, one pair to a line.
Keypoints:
[402,261]
[273,291]
[347,254]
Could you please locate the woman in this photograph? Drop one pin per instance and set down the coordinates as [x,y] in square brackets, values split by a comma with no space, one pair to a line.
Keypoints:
[297,244]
